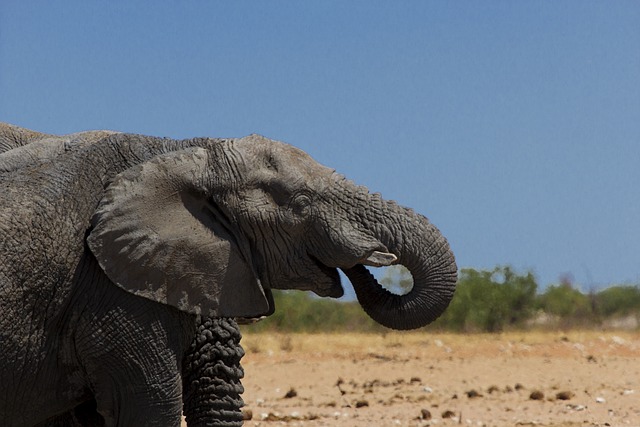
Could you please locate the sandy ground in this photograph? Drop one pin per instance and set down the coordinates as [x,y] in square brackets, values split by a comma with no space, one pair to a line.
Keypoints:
[422,379]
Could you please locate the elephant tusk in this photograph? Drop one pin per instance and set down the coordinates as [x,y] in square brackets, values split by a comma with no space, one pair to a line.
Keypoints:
[380,259]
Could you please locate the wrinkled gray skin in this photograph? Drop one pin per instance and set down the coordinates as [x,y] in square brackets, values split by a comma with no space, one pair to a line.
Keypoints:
[21,148]
[211,371]
[107,253]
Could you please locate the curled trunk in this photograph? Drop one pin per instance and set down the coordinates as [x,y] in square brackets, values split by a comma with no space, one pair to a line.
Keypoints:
[421,248]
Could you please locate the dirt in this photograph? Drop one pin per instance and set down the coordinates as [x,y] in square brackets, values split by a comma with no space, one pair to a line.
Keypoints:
[422,379]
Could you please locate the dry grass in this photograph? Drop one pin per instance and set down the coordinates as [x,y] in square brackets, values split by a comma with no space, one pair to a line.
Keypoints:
[419,379]
[576,378]
[561,344]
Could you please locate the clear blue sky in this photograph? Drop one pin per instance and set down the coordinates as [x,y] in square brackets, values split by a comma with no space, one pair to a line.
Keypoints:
[513,126]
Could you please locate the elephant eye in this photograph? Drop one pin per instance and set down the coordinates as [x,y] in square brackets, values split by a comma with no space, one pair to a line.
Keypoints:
[301,204]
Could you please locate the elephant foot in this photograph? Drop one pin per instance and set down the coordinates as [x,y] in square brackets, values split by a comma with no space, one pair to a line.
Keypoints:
[212,374]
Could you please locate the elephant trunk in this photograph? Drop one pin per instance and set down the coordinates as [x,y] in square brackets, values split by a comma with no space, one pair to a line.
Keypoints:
[421,248]
[211,375]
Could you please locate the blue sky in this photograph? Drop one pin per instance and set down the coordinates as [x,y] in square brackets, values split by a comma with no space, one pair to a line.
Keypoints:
[513,126]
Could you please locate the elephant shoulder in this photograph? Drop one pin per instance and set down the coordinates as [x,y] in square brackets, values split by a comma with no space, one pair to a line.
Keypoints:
[40,234]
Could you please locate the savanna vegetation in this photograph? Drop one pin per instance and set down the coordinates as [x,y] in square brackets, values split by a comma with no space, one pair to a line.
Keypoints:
[485,301]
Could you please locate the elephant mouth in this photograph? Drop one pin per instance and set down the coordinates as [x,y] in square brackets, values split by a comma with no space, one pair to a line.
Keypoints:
[333,284]
[333,287]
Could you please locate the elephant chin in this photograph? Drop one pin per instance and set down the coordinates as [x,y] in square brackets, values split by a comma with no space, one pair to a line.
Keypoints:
[333,288]
[319,278]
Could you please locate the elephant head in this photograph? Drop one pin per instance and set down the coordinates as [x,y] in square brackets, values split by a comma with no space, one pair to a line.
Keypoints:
[213,228]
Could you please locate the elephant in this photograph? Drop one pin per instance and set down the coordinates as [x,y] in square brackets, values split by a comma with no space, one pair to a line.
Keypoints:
[110,253]
[20,147]
[208,400]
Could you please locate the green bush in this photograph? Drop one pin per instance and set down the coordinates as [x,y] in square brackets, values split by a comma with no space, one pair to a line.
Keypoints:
[566,302]
[303,312]
[618,301]
[490,301]
[484,301]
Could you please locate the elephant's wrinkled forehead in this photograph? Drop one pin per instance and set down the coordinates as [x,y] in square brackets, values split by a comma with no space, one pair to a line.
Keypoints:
[280,158]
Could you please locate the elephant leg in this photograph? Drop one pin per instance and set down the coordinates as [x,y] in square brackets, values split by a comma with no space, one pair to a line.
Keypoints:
[142,389]
[132,364]
[212,373]
[135,403]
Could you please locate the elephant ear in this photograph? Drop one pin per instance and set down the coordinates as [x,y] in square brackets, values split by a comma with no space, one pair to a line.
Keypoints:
[156,234]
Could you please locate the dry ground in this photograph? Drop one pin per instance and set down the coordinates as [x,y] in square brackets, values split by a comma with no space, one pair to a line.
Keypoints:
[423,379]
